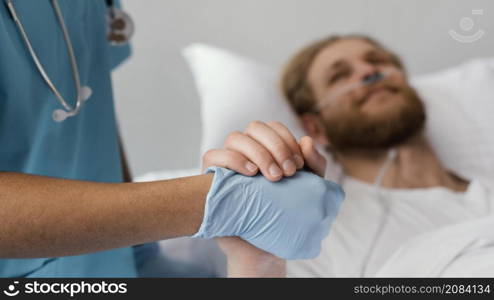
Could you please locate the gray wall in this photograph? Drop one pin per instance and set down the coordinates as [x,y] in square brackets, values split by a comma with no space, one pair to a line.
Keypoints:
[156,100]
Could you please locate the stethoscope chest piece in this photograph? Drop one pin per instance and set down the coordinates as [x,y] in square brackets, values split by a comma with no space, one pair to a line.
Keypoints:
[120,26]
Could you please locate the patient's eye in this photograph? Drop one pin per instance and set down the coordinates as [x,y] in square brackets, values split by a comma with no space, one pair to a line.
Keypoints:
[337,76]
[377,59]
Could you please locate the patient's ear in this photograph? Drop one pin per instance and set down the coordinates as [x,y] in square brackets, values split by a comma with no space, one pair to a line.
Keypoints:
[314,128]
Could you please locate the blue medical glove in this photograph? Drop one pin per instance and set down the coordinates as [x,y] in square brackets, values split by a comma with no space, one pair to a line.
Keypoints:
[288,218]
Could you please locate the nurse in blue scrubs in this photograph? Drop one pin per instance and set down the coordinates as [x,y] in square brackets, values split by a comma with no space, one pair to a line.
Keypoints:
[85,147]
[64,211]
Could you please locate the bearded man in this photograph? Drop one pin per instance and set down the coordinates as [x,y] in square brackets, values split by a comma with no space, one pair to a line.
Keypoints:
[353,97]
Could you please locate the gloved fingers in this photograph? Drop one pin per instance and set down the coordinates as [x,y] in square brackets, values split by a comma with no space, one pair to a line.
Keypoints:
[272,141]
[254,152]
[314,160]
[229,159]
[289,140]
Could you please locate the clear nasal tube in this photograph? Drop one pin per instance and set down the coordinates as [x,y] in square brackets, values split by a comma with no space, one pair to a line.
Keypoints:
[366,81]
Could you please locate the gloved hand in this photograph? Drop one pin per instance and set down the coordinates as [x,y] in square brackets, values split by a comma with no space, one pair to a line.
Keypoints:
[288,218]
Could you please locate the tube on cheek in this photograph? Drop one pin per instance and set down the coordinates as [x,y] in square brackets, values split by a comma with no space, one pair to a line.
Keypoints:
[344,90]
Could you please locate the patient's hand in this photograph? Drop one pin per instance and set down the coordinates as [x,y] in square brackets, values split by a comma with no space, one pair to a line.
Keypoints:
[268,147]
[273,150]
[245,260]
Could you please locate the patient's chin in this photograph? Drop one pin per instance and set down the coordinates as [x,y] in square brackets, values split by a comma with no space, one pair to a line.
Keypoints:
[381,126]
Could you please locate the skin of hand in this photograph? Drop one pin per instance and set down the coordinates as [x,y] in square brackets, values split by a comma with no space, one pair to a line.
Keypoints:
[271,149]
[245,260]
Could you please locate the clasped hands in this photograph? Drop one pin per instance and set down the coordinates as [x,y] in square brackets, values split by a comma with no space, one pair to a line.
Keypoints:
[272,150]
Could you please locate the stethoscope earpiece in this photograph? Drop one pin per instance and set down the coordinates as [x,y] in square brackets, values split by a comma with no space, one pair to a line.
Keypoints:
[86,93]
[60,115]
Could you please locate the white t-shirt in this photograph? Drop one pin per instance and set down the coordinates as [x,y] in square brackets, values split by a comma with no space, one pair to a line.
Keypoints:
[363,219]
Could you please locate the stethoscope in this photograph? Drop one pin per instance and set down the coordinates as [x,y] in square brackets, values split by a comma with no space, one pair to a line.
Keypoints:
[120,30]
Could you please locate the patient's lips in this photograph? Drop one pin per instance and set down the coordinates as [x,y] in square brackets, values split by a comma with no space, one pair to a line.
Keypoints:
[376,93]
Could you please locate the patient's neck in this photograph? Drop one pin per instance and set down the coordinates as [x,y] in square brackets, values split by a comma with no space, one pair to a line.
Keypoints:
[415,166]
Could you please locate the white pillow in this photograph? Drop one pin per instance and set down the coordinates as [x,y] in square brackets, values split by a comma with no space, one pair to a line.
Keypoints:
[460,104]
[460,112]
[234,91]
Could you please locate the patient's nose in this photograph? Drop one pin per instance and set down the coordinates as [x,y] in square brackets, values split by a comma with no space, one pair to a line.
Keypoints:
[364,72]
[371,78]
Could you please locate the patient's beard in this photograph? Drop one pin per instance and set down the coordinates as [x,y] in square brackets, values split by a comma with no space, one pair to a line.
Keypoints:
[358,132]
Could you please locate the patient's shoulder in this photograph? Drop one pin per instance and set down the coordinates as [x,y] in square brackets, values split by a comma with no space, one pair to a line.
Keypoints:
[480,194]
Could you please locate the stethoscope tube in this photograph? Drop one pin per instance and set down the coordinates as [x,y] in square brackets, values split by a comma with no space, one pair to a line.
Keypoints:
[83,93]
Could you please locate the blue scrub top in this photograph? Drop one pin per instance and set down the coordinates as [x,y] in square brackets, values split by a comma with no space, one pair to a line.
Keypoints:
[84,147]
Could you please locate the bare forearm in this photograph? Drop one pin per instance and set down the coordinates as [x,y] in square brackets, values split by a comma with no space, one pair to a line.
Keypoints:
[246,260]
[47,217]
[257,268]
